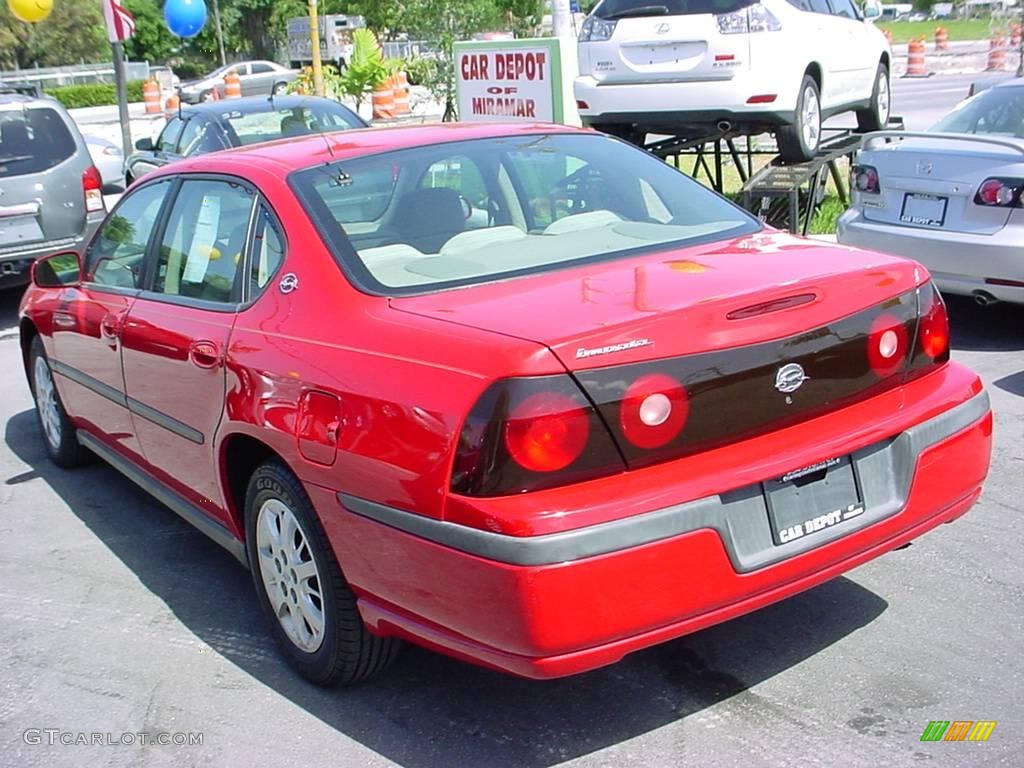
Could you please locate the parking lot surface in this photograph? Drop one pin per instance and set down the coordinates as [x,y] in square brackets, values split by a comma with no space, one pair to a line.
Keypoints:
[118,618]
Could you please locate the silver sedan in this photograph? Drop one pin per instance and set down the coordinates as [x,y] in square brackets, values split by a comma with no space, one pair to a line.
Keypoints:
[950,197]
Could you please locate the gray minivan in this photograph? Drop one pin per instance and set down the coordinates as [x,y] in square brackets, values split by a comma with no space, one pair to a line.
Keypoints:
[51,196]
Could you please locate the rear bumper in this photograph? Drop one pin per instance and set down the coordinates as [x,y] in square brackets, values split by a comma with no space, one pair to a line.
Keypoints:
[15,262]
[559,604]
[672,107]
[959,262]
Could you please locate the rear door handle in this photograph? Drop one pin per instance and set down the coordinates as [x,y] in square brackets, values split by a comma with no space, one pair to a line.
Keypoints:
[204,354]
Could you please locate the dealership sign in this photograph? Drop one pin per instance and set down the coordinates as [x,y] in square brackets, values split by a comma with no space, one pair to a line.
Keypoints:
[512,80]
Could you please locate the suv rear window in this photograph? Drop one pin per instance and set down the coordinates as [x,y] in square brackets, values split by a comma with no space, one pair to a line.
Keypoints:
[33,140]
[622,9]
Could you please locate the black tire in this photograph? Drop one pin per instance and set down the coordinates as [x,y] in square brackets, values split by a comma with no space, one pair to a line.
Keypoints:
[626,132]
[61,436]
[795,145]
[347,652]
[876,116]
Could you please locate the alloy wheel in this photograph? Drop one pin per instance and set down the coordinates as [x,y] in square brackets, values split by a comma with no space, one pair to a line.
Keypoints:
[810,119]
[46,402]
[290,575]
[882,100]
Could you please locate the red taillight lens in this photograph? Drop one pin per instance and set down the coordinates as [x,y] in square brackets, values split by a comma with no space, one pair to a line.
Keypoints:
[887,345]
[1000,193]
[546,432]
[864,178]
[92,188]
[653,410]
[529,433]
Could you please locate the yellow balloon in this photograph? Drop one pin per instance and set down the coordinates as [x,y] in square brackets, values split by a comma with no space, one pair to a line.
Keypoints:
[30,10]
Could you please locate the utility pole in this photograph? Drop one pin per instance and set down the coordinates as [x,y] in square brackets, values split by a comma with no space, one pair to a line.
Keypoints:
[1020,48]
[121,88]
[561,18]
[220,32]
[314,39]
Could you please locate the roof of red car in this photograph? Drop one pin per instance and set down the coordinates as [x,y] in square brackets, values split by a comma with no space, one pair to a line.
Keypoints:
[305,151]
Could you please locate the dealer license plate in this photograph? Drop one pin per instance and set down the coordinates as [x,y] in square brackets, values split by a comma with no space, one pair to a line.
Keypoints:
[924,210]
[813,499]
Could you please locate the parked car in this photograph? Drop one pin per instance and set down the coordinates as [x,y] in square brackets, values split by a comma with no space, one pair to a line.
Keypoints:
[109,160]
[704,68]
[257,78]
[613,410]
[50,188]
[218,125]
[950,197]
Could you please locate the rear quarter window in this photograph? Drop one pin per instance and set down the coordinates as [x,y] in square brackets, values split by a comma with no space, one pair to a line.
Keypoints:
[33,140]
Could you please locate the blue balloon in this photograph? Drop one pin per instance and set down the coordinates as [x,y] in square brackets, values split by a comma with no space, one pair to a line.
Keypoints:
[185,18]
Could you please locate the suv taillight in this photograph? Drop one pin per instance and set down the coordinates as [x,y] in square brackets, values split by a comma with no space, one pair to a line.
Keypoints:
[92,188]
[1001,193]
[754,18]
[595,29]
[529,433]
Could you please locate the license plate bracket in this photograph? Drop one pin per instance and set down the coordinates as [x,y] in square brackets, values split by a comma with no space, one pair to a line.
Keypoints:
[924,210]
[813,499]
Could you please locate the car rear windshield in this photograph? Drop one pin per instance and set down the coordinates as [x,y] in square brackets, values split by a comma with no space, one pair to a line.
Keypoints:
[33,140]
[254,127]
[998,111]
[467,212]
[623,9]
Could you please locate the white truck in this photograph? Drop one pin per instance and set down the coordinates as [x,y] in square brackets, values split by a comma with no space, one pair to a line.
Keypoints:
[335,39]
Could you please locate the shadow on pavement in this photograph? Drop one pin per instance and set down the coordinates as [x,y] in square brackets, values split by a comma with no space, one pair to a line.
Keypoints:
[974,328]
[429,711]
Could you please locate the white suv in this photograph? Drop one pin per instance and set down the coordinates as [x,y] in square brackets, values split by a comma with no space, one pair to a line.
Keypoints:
[699,67]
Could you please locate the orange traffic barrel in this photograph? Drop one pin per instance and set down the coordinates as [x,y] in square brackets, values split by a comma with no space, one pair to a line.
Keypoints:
[996,54]
[232,85]
[171,106]
[941,39]
[151,97]
[915,59]
[384,101]
[401,89]
[1015,35]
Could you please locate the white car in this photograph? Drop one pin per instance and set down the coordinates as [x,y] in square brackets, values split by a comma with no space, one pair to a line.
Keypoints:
[950,197]
[696,67]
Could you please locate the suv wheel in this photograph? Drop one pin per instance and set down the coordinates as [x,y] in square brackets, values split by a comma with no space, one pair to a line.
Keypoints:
[799,142]
[313,611]
[60,435]
[876,117]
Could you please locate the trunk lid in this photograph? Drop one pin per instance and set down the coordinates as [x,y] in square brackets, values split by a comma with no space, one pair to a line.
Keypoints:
[677,302]
[930,182]
[678,47]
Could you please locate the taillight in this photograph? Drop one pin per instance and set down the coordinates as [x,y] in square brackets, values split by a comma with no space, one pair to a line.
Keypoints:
[888,345]
[92,188]
[755,18]
[931,347]
[653,410]
[530,433]
[1000,193]
[864,178]
[594,29]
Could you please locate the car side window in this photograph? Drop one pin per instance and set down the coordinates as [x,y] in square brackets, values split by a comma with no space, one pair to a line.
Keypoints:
[803,5]
[168,140]
[115,257]
[820,6]
[204,243]
[261,68]
[844,8]
[267,252]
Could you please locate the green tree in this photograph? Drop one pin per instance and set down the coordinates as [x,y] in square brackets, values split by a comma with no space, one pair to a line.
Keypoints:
[74,32]
[524,16]
[443,22]
[152,41]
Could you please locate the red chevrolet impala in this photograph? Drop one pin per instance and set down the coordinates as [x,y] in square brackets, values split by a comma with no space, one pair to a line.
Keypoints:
[527,396]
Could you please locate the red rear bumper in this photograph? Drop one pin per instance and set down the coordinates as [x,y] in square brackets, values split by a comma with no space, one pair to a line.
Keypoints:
[558,618]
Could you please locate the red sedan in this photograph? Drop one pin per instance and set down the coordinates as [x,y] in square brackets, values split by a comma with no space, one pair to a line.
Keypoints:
[526,396]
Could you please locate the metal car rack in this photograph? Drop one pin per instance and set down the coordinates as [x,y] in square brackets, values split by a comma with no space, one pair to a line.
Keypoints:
[785,195]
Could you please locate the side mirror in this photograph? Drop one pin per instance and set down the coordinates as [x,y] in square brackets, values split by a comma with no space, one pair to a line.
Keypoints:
[57,270]
[144,145]
[872,9]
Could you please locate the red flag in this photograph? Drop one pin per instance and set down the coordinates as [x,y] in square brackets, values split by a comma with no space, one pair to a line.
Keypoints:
[120,23]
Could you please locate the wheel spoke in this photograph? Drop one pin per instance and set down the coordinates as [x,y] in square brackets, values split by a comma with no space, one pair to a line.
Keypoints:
[305,571]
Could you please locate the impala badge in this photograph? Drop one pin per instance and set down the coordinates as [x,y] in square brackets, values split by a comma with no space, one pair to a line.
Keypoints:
[790,377]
